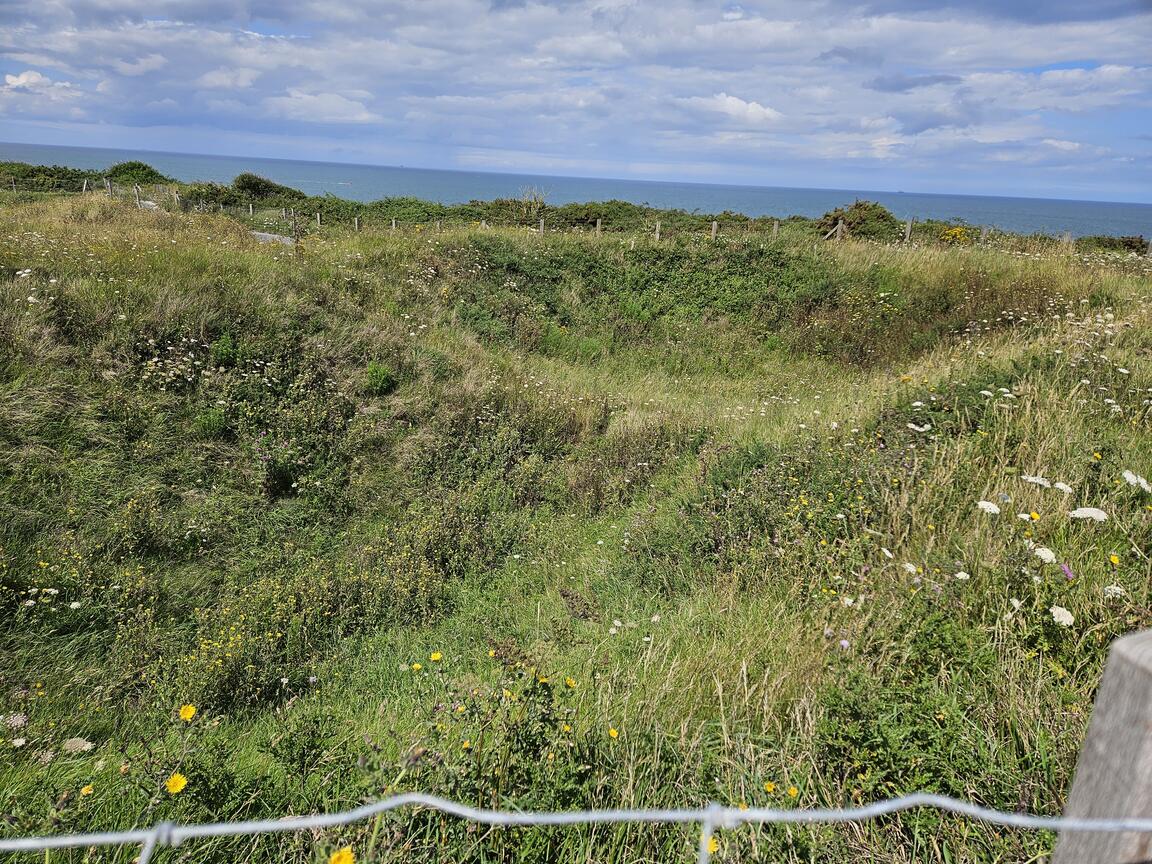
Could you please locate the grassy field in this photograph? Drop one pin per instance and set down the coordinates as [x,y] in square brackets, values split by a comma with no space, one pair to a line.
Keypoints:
[556,522]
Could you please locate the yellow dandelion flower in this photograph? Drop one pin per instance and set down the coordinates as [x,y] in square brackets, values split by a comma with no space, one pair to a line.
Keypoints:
[769,787]
[570,682]
[187,712]
[491,652]
[343,856]
[176,783]
[613,732]
[416,667]
[793,791]
[467,745]
[435,656]
[1115,559]
[1097,456]
[713,845]
[566,727]
[1034,516]
[87,790]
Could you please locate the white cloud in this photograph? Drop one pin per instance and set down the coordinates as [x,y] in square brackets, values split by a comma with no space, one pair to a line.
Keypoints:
[319,108]
[227,79]
[742,111]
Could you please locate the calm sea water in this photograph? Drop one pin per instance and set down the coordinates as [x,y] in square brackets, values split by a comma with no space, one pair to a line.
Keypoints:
[369,182]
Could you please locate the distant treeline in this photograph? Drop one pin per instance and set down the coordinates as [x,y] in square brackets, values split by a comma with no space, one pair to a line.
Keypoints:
[862,219]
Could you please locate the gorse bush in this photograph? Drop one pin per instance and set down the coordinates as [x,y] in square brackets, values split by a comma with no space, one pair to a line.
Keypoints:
[556,522]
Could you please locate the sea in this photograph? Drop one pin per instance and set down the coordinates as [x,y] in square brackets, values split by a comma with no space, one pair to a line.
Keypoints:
[370,182]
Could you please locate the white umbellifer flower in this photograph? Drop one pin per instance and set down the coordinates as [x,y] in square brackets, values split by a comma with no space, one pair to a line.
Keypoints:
[909,568]
[1133,479]
[1027,517]
[986,393]
[19,742]
[1061,616]
[988,507]
[927,427]
[1045,554]
[75,604]
[1063,487]
[77,745]
[1037,480]
[1093,513]
[1113,592]
[962,576]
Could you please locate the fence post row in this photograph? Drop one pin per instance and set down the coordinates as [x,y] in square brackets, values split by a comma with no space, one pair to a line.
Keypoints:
[1114,773]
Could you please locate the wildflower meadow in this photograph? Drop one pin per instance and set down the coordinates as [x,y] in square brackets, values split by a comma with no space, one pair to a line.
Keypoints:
[559,521]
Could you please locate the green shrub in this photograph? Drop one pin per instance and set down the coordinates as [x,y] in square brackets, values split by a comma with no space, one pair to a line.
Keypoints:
[136,172]
[865,219]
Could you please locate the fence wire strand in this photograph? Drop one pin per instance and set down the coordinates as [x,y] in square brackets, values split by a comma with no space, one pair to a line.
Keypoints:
[710,818]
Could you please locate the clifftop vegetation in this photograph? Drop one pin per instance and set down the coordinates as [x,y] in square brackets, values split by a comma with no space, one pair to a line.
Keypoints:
[556,521]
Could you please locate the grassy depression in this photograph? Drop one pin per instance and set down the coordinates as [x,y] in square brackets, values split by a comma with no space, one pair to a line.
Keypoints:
[556,522]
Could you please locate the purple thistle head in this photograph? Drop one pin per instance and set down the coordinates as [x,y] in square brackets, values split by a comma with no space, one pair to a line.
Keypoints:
[1068,574]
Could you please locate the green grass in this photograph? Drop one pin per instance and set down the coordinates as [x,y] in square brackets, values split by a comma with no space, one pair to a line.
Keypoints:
[682,491]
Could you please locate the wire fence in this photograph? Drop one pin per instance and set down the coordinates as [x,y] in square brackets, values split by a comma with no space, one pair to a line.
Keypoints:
[711,818]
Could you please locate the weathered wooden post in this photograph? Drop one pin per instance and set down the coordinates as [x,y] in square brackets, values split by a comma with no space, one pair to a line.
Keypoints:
[541,224]
[84,191]
[393,223]
[715,228]
[984,234]
[840,229]
[1114,773]
[136,192]
[657,230]
[597,227]
[108,186]
[13,184]
[437,224]
[249,208]
[175,199]
[775,228]
[907,230]
[356,222]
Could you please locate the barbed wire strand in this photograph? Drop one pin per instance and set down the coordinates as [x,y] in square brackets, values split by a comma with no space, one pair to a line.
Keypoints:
[710,818]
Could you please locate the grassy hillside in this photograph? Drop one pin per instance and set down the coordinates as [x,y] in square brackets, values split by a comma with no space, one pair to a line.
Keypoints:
[555,522]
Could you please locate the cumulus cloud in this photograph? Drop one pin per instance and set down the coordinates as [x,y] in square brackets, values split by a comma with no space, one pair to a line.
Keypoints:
[773,92]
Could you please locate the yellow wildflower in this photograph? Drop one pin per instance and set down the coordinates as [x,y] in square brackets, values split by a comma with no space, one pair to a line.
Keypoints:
[613,733]
[491,652]
[1115,559]
[1034,516]
[769,787]
[570,682]
[467,745]
[436,657]
[187,712]
[416,667]
[176,783]
[793,791]
[713,845]
[343,856]
[87,790]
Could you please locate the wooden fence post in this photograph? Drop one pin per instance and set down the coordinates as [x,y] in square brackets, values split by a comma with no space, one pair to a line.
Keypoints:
[541,224]
[437,224]
[775,228]
[393,223]
[108,186]
[249,208]
[715,228]
[840,229]
[1114,773]
[85,189]
[317,219]
[907,230]
[597,227]
[13,184]
[657,230]
[356,222]
[984,234]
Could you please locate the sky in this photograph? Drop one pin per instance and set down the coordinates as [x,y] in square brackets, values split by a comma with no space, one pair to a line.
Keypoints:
[1048,98]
